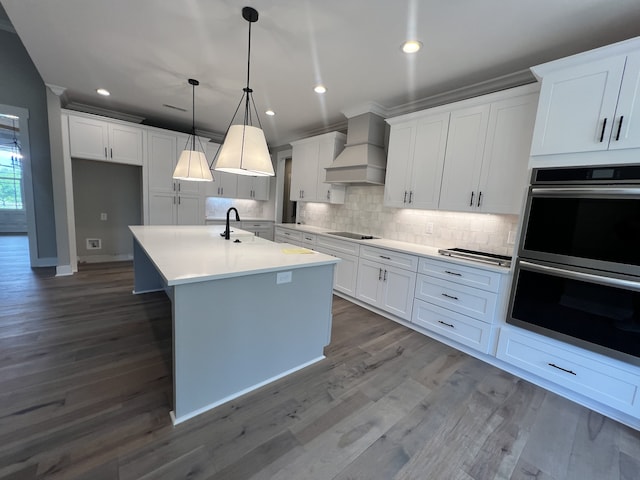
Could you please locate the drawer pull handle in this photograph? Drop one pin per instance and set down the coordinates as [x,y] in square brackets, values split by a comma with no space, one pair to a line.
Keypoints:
[453,273]
[445,323]
[379,274]
[560,368]
[385,276]
[386,258]
[450,296]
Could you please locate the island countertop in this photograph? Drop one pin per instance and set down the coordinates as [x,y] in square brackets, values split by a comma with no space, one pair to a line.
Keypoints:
[188,254]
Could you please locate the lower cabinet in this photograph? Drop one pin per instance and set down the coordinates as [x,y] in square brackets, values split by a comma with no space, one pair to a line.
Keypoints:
[345,273]
[465,330]
[259,228]
[605,380]
[386,287]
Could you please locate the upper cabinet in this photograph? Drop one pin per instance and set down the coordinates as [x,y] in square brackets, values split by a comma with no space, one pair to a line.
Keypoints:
[589,102]
[107,141]
[310,157]
[415,162]
[469,156]
[486,165]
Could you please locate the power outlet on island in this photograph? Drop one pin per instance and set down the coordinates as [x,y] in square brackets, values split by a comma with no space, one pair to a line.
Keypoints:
[283,277]
[94,243]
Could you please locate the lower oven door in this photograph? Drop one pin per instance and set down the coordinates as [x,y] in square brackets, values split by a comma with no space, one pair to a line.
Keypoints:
[578,306]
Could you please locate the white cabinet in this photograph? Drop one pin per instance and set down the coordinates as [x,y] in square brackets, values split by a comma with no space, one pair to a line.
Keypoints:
[253,188]
[487,156]
[384,284]
[96,139]
[171,202]
[415,162]
[605,380]
[284,235]
[224,184]
[588,105]
[310,157]
[463,158]
[345,273]
[457,302]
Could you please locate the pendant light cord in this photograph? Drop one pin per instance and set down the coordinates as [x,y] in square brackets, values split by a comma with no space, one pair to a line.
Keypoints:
[193,117]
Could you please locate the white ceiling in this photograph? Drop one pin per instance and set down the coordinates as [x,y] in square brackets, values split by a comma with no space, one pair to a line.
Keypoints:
[144,51]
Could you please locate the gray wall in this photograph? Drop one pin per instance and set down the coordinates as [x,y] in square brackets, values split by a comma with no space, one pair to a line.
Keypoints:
[22,86]
[101,187]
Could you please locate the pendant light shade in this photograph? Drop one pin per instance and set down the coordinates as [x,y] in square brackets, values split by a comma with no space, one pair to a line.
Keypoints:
[192,164]
[244,150]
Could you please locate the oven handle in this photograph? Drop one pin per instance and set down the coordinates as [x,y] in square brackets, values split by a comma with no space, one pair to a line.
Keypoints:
[587,277]
[629,191]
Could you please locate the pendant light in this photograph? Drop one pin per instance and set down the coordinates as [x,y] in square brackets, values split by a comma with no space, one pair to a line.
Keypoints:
[244,149]
[192,164]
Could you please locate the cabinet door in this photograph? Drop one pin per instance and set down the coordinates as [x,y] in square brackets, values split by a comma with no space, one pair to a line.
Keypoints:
[304,169]
[463,159]
[369,281]
[88,138]
[576,108]
[503,178]
[224,185]
[399,161]
[626,129]
[328,150]
[162,208]
[245,187]
[189,210]
[162,161]
[397,292]
[345,273]
[428,161]
[253,188]
[261,188]
[125,144]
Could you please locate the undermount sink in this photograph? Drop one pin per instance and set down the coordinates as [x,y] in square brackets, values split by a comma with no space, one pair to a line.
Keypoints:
[356,236]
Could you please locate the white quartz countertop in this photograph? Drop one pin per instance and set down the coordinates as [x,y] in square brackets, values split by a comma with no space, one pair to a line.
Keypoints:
[396,245]
[188,254]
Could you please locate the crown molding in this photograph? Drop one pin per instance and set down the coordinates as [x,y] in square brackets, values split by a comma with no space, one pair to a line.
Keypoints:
[105,112]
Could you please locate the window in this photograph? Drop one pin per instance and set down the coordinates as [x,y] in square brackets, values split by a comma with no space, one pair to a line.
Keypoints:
[10,181]
[10,164]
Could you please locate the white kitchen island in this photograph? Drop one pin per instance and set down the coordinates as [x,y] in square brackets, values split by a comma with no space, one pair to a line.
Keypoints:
[244,314]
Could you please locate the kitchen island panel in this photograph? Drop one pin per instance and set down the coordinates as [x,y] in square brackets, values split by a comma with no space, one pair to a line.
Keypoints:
[237,334]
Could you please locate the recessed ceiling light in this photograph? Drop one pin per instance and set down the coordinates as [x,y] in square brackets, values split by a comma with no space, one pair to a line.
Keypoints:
[411,46]
[320,89]
[271,113]
[103,92]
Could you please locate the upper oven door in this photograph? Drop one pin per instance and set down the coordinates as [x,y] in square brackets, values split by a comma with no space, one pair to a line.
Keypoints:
[596,228]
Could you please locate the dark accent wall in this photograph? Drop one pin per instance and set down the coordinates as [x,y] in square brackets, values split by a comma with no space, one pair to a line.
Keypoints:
[22,86]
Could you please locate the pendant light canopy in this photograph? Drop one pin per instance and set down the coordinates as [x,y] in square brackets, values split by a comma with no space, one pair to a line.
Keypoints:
[192,164]
[244,150]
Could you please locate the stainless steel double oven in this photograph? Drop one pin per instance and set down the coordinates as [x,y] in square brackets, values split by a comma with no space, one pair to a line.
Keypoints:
[577,275]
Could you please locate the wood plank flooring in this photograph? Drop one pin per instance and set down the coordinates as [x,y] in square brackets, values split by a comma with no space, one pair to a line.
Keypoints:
[85,389]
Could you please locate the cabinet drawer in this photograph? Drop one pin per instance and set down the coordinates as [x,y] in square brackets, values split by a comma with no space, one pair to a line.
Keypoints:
[290,235]
[342,246]
[389,257]
[256,225]
[308,238]
[472,277]
[468,331]
[583,373]
[469,301]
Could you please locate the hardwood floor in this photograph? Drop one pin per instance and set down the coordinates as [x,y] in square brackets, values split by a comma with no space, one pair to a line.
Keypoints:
[85,389]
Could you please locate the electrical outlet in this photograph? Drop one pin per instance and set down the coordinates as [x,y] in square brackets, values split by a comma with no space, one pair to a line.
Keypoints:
[429,229]
[511,238]
[94,243]
[283,277]
[103,217]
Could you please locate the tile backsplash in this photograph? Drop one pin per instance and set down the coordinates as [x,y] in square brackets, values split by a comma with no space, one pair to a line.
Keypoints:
[217,208]
[363,212]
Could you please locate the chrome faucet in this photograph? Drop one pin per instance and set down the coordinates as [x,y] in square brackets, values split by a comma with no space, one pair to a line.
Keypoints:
[227,232]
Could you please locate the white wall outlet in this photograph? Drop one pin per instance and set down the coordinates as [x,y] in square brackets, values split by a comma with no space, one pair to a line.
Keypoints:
[103,217]
[283,277]
[511,238]
[94,243]
[429,228]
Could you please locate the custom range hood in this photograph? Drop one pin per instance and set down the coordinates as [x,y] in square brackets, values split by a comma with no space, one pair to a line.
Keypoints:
[363,160]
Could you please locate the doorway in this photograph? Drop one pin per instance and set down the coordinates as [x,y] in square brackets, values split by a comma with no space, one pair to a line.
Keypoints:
[288,207]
